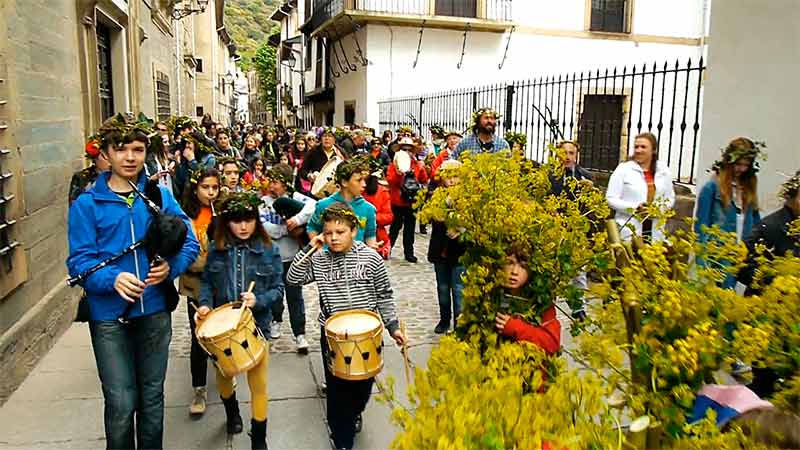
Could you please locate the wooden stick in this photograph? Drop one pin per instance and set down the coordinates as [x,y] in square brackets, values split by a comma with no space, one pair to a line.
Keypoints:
[243,307]
[308,255]
[404,351]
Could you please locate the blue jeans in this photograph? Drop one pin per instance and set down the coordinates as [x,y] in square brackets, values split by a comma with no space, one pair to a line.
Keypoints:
[448,288]
[297,306]
[132,364]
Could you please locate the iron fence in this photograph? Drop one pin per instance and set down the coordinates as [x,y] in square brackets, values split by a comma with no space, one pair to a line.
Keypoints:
[603,110]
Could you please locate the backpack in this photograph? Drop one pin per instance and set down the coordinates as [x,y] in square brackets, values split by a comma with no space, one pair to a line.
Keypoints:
[410,187]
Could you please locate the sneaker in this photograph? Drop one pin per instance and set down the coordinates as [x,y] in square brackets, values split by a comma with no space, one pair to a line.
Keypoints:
[302,344]
[442,327]
[198,406]
[411,259]
[275,330]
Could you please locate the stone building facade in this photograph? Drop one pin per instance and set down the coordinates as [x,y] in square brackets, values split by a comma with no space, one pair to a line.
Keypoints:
[65,66]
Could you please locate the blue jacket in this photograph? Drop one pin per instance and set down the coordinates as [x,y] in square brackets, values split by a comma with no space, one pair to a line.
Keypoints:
[361,207]
[710,212]
[101,225]
[229,272]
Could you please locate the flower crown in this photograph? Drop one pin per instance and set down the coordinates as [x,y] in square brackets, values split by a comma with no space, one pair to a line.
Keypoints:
[405,129]
[276,174]
[516,138]
[790,186]
[240,203]
[731,154]
[476,116]
[437,130]
[201,146]
[340,213]
[180,123]
[122,124]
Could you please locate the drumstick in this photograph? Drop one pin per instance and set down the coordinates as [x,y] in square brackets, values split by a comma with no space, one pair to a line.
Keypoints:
[404,351]
[241,308]
[307,255]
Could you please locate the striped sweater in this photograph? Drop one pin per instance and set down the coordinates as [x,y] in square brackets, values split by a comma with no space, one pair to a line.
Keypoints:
[353,280]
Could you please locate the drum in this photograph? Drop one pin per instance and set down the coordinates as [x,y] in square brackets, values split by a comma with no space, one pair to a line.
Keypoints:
[232,339]
[324,185]
[355,342]
[403,161]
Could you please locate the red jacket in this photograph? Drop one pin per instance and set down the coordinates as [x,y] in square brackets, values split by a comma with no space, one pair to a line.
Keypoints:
[443,156]
[395,180]
[547,336]
[383,217]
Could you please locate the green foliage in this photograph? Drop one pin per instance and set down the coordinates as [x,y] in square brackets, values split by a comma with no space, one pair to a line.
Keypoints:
[249,25]
[264,64]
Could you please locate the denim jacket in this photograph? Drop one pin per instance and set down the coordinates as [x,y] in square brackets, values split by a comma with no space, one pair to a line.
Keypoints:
[229,272]
[710,212]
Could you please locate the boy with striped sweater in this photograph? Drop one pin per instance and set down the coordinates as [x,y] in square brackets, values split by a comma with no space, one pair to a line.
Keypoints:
[349,275]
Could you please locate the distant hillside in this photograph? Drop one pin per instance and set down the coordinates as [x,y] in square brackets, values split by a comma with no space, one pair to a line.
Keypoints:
[248,23]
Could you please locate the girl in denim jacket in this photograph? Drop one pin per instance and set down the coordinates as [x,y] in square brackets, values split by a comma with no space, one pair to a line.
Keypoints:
[242,253]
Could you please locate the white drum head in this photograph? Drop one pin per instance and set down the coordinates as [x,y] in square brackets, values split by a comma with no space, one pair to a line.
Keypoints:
[353,324]
[403,161]
[219,322]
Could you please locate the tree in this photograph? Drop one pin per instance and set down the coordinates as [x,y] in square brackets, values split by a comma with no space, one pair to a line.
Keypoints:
[264,63]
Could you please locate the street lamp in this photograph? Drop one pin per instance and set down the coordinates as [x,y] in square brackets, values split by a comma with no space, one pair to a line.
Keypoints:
[187,10]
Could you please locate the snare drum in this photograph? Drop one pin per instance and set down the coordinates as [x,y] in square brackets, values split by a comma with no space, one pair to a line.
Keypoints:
[232,339]
[355,343]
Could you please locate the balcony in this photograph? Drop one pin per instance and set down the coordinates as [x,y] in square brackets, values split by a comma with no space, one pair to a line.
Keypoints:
[338,17]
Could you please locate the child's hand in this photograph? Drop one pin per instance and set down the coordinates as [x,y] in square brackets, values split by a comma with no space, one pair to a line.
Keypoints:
[248,299]
[201,313]
[318,241]
[501,320]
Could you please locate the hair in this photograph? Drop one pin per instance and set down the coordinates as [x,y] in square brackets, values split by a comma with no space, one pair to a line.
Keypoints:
[575,143]
[252,167]
[770,426]
[222,233]
[371,185]
[347,169]
[748,184]
[340,212]
[386,134]
[653,140]
[223,131]
[294,150]
[253,137]
[791,187]
[225,162]
[135,136]
[189,202]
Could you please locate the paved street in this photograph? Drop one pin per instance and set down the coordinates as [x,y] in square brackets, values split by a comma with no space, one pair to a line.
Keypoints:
[60,404]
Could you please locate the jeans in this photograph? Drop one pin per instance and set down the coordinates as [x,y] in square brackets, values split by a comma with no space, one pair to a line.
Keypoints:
[198,358]
[345,401]
[448,287]
[132,364]
[297,306]
[403,218]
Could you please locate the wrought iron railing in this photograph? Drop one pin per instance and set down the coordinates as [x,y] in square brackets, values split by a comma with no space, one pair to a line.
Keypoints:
[602,109]
[495,10]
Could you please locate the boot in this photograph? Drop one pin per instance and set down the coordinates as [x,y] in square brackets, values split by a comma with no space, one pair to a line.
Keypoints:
[258,434]
[234,420]
[198,406]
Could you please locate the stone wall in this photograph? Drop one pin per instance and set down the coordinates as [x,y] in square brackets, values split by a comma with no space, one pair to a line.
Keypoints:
[44,119]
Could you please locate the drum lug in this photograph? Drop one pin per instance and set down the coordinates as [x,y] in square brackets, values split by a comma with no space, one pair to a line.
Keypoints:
[348,360]
[365,355]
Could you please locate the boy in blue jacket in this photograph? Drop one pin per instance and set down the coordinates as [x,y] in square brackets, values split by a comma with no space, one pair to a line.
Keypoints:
[130,324]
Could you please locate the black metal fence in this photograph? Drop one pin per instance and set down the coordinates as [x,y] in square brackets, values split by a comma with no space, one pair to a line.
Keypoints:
[323,10]
[602,109]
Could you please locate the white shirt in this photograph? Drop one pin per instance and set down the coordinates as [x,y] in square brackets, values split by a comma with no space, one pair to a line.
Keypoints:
[627,189]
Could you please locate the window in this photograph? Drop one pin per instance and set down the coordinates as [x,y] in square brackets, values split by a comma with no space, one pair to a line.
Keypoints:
[319,78]
[610,16]
[600,132]
[199,67]
[199,112]
[105,80]
[307,53]
[349,113]
[163,107]
[457,8]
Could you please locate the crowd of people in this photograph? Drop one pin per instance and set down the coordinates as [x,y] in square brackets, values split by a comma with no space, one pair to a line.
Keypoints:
[268,210]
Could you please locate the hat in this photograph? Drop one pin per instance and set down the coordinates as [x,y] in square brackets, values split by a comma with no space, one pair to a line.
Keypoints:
[407,141]
[452,133]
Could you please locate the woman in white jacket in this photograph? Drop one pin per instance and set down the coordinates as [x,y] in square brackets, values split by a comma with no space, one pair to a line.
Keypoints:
[640,181]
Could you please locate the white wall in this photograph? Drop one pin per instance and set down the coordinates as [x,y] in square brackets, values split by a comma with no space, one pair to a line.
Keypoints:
[751,89]
[352,86]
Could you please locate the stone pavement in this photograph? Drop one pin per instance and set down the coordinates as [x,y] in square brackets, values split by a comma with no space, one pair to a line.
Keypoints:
[60,404]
